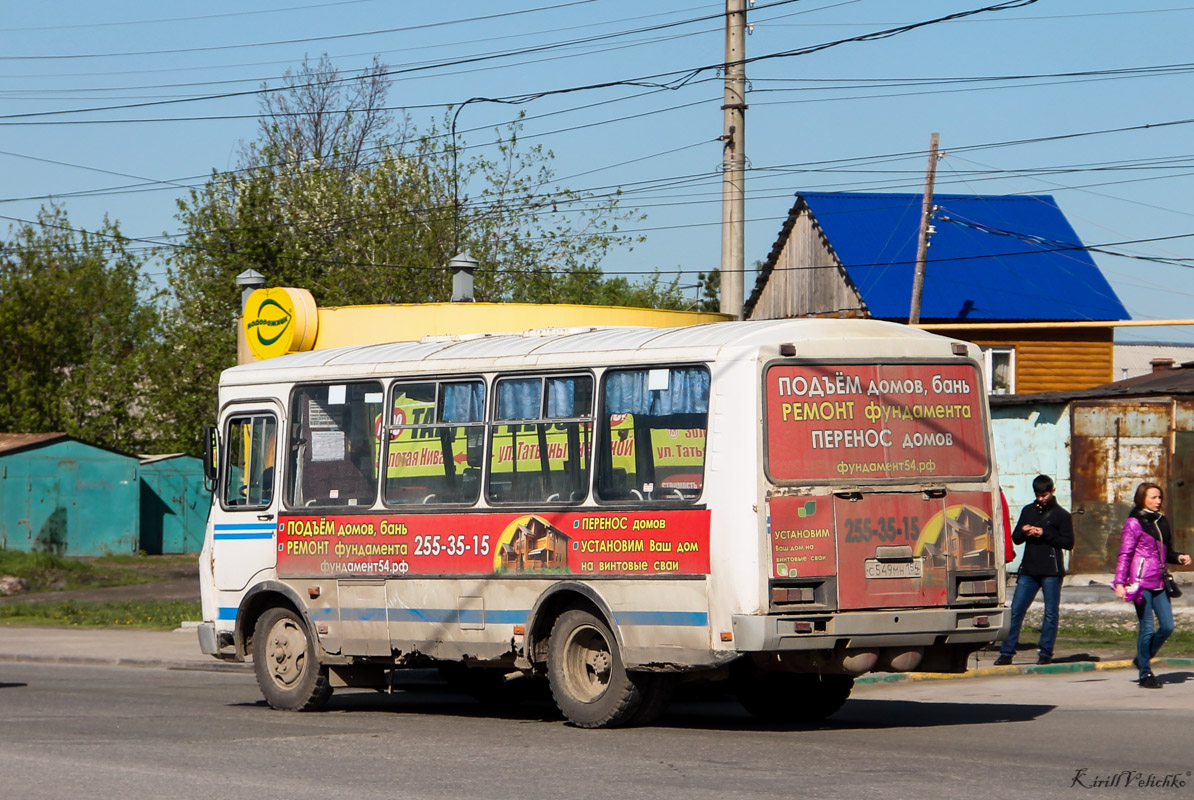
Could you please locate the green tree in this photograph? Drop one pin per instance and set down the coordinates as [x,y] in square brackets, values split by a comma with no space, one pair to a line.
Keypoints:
[76,316]
[709,286]
[361,208]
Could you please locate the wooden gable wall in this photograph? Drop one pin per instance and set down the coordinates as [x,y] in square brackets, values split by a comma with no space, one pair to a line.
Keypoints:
[788,288]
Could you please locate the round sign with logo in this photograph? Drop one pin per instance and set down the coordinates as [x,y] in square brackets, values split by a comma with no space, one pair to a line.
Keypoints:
[280,320]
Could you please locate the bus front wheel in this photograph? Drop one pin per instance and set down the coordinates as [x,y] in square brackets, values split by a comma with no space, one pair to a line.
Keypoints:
[284,660]
[588,681]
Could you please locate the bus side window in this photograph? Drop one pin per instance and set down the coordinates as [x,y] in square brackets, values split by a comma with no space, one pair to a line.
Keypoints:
[540,440]
[433,451]
[249,461]
[334,446]
[652,434]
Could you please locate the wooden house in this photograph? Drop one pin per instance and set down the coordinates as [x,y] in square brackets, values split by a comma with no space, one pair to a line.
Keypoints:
[536,546]
[1007,273]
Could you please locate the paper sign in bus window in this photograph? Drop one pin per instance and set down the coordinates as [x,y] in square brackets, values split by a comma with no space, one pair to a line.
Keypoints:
[327,445]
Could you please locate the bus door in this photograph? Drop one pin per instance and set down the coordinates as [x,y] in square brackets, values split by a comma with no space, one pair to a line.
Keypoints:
[925,549]
[886,550]
[887,556]
[244,516]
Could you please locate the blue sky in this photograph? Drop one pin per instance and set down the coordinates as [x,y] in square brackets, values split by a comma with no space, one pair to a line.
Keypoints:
[1088,100]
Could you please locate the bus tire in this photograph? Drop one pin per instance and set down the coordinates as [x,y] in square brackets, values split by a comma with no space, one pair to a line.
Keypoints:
[790,697]
[284,660]
[588,681]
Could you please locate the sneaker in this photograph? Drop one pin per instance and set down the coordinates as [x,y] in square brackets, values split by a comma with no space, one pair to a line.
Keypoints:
[1003,661]
[1136,663]
[1149,681]
[1044,660]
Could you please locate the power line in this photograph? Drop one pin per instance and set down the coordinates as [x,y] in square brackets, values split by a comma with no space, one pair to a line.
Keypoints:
[126,23]
[304,40]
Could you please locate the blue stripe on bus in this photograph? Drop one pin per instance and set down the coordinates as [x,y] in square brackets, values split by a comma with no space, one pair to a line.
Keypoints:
[678,618]
[244,530]
[450,616]
[475,616]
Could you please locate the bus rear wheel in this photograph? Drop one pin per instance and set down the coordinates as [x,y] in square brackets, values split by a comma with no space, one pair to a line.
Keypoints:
[588,681]
[284,660]
[790,697]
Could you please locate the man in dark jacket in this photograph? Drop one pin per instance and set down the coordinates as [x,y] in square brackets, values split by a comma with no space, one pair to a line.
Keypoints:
[1045,530]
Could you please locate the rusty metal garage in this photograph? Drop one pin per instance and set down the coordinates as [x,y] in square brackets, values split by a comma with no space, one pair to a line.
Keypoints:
[1119,434]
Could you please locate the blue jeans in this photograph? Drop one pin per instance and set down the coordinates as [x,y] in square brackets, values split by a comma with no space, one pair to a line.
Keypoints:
[1150,638]
[1026,588]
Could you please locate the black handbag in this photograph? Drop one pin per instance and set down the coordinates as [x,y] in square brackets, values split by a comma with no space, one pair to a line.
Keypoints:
[1171,587]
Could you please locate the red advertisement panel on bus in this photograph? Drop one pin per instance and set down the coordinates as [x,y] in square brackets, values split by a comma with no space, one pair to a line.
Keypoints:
[857,423]
[633,543]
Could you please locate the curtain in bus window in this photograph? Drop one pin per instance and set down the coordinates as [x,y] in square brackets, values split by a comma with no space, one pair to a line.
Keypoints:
[653,434]
[464,402]
[658,391]
[561,397]
[519,399]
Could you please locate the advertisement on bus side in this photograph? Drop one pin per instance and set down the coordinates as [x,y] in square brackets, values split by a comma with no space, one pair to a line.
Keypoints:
[580,543]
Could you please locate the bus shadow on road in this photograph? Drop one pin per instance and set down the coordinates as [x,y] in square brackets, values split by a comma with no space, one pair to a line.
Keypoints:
[433,700]
[713,711]
[919,714]
[857,714]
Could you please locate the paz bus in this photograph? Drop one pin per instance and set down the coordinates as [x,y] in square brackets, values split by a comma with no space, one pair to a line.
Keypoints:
[782,505]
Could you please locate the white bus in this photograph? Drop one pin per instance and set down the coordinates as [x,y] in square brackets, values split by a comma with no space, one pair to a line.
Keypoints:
[784,505]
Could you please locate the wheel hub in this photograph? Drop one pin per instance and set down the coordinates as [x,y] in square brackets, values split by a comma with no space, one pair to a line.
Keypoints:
[286,650]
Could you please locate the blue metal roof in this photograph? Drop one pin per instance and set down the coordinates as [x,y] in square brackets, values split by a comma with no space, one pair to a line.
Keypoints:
[991,257]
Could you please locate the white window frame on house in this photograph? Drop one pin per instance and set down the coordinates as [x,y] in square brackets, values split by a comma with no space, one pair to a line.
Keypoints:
[994,355]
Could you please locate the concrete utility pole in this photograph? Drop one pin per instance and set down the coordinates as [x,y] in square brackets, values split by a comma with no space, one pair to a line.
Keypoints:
[733,164]
[249,281]
[922,241]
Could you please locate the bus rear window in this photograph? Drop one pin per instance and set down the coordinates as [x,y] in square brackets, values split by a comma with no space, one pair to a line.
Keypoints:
[652,434]
[855,423]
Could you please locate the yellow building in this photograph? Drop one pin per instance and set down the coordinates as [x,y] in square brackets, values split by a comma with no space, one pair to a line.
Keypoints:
[284,320]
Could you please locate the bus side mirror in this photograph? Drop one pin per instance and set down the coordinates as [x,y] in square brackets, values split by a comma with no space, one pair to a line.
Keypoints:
[211,456]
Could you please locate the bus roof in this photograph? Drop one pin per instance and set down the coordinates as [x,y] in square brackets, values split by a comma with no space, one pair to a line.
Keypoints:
[813,338]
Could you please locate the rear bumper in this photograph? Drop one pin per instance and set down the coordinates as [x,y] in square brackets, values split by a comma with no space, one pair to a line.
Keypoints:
[869,629]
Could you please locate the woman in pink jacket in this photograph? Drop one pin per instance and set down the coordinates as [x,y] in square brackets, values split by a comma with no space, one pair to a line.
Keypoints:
[1143,552]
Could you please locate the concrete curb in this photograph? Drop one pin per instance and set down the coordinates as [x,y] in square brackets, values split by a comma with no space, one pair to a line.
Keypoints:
[1024,669]
[141,663]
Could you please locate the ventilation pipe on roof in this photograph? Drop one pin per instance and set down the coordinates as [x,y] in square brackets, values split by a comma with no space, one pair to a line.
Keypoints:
[1161,364]
[463,265]
[249,281]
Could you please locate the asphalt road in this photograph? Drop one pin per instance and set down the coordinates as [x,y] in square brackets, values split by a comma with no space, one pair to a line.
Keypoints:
[73,731]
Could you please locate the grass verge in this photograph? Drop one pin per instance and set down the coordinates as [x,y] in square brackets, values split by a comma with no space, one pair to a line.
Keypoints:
[149,614]
[47,572]
[1083,631]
